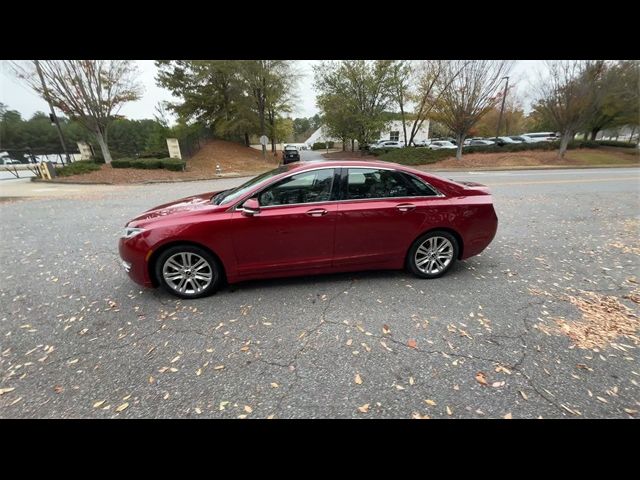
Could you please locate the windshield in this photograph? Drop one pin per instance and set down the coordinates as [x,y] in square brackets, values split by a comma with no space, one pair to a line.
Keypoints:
[230,195]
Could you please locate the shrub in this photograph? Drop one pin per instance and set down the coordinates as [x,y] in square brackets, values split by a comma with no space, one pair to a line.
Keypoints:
[121,163]
[173,164]
[321,145]
[414,156]
[78,168]
[614,143]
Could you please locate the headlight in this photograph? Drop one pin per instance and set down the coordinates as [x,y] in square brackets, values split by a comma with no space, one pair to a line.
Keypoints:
[130,232]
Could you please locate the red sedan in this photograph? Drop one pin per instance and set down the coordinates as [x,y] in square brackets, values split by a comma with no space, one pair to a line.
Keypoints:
[310,218]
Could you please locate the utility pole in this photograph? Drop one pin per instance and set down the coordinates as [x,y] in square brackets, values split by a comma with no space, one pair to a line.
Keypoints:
[53,116]
[504,97]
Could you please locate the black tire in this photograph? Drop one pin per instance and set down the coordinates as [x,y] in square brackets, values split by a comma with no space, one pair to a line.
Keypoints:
[212,266]
[412,261]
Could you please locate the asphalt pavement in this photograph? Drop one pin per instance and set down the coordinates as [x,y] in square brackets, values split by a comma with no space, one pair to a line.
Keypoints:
[491,339]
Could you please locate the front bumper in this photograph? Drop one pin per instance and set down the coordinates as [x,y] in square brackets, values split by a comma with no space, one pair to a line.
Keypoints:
[135,253]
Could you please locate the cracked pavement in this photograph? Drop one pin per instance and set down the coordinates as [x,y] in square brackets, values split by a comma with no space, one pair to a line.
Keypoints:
[78,339]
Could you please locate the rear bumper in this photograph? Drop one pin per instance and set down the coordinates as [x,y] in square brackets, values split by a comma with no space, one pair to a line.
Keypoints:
[134,253]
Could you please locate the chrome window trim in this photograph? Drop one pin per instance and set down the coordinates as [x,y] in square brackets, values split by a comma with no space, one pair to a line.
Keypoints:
[438,194]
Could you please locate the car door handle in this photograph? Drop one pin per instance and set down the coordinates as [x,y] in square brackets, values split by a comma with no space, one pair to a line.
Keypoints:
[405,207]
[317,212]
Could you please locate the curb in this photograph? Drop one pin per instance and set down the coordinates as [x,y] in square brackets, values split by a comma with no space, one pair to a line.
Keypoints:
[147,182]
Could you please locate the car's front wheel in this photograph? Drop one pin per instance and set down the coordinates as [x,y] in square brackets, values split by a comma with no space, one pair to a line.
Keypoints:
[432,254]
[188,271]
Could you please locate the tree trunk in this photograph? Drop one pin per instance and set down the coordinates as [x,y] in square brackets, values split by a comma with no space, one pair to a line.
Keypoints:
[564,143]
[246,139]
[352,145]
[633,131]
[594,134]
[460,143]
[344,144]
[106,154]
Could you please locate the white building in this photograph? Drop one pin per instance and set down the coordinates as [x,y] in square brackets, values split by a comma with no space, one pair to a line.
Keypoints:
[393,131]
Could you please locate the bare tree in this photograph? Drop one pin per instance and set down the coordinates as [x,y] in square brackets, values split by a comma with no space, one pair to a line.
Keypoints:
[430,84]
[471,92]
[567,94]
[89,91]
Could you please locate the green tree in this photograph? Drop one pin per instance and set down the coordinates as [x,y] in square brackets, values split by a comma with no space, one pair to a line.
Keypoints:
[566,96]
[364,87]
[616,100]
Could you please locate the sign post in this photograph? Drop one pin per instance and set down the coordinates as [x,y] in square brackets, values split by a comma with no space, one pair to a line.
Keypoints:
[85,151]
[264,140]
[174,148]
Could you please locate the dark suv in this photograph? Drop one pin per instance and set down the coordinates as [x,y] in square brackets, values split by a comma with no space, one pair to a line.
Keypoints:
[290,154]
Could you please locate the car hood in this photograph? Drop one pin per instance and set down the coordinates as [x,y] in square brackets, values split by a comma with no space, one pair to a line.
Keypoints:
[183,206]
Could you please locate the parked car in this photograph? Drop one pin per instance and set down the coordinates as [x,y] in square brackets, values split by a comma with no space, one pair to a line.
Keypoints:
[290,154]
[387,144]
[522,139]
[480,143]
[421,143]
[309,219]
[9,161]
[501,141]
[442,144]
[541,137]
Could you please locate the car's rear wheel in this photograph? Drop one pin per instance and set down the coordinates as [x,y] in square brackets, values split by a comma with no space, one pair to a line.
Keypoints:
[433,254]
[188,271]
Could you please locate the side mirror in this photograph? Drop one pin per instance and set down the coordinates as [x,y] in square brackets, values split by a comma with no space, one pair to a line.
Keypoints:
[251,207]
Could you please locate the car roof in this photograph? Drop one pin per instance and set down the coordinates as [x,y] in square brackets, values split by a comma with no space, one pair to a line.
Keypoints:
[302,166]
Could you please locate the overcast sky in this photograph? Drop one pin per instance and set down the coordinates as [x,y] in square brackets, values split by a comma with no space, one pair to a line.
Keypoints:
[18,96]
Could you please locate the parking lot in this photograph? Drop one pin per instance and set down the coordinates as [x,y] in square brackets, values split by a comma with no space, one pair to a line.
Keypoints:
[495,338]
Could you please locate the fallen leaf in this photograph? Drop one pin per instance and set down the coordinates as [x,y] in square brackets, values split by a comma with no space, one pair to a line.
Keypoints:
[199,372]
[242,416]
[349,342]
[385,329]
[417,416]
[58,389]
[358,379]
[175,359]
[508,416]
[99,403]
[449,411]
[481,378]
[6,390]
[364,408]
[198,411]
[274,385]
[524,395]
[270,417]
[603,400]
[412,343]
[122,407]
[399,387]
[223,405]
[630,411]
[151,379]
[411,381]
[428,401]
[498,384]
[500,368]
[219,367]
[248,409]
